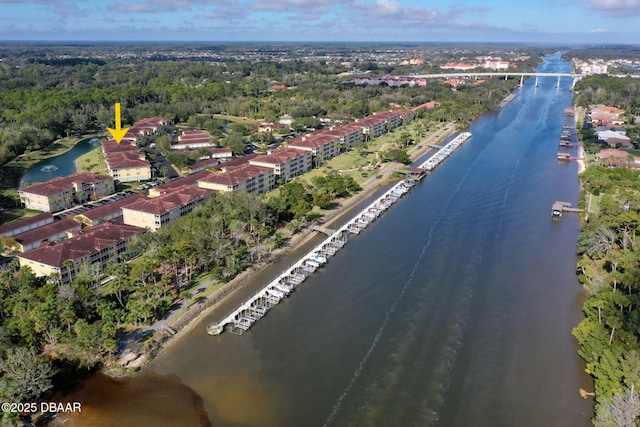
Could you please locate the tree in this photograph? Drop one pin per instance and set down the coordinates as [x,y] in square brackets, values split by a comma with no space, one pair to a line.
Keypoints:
[26,374]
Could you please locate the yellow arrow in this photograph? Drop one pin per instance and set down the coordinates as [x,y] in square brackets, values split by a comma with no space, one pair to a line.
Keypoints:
[118,133]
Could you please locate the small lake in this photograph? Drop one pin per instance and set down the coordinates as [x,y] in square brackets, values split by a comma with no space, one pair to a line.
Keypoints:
[61,165]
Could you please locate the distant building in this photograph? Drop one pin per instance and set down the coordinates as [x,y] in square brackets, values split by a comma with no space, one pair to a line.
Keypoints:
[458,66]
[64,192]
[95,245]
[142,129]
[193,140]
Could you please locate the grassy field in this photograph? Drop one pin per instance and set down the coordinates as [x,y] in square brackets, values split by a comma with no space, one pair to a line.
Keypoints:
[93,161]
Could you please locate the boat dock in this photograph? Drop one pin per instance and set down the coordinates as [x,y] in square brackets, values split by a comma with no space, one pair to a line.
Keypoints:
[558,208]
[257,306]
[444,152]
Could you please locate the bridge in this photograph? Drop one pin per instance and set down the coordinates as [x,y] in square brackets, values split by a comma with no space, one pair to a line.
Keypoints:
[505,74]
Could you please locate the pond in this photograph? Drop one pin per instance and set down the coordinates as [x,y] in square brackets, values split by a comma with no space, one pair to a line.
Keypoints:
[60,165]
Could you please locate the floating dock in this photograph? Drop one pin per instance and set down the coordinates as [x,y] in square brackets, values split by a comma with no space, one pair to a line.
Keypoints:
[257,306]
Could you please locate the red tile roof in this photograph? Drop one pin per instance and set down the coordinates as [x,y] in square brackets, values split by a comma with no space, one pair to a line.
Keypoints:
[63,183]
[46,231]
[111,207]
[25,223]
[279,156]
[92,240]
[126,159]
[164,203]
[185,180]
[111,146]
[235,175]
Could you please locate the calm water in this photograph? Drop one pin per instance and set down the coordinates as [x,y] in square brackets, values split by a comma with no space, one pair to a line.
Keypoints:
[453,309]
[62,165]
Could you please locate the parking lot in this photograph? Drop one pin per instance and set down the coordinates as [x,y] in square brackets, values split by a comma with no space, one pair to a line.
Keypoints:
[77,210]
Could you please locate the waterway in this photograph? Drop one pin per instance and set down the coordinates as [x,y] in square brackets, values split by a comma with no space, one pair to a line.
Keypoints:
[453,309]
[61,165]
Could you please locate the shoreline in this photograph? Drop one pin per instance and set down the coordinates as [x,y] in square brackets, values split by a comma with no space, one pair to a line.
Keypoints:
[193,319]
[34,161]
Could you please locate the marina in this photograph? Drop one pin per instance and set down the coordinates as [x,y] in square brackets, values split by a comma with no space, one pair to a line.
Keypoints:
[442,154]
[256,307]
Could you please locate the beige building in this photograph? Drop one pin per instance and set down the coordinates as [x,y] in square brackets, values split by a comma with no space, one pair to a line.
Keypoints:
[161,211]
[323,147]
[246,177]
[287,163]
[64,192]
[95,246]
[128,166]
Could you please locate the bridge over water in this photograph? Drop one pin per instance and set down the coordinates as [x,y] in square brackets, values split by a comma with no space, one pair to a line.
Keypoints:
[505,74]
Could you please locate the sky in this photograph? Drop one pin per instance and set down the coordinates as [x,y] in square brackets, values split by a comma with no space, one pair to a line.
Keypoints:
[541,21]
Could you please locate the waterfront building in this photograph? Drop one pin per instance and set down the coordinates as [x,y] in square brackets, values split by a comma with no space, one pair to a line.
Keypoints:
[157,212]
[125,161]
[321,146]
[95,246]
[347,134]
[246,177]
[128,166]
[64,192]
[286,163]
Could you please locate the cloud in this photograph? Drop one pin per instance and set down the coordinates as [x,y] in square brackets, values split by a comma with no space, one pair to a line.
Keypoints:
[598,30]
[309,6]
[617,8]
[162,6]
[223,13]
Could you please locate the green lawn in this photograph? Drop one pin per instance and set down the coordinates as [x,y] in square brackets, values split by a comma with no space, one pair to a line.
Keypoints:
[93,161]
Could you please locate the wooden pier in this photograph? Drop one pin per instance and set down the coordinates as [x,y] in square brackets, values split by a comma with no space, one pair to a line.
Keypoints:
[559,208]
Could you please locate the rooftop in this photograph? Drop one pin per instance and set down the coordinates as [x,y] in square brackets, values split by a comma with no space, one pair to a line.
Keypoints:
[63,183]
[92,240]
[168,201]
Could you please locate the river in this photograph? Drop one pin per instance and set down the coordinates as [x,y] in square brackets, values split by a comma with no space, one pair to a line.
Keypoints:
[453,309]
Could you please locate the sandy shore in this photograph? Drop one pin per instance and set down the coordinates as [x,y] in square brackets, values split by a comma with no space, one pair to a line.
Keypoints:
[193,317]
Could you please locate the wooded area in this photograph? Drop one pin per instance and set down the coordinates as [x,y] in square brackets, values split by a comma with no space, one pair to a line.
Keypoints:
[609,268]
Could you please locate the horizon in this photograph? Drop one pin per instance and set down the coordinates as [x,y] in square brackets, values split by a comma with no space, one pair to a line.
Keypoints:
[556,22]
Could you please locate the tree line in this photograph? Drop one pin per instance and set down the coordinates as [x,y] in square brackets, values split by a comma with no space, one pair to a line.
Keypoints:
[609,269]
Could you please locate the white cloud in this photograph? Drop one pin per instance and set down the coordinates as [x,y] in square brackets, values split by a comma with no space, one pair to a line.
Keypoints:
[621,8]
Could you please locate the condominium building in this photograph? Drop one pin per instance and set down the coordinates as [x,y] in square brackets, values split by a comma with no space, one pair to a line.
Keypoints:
[287,163]
[95,246]
[161,211]
[64,192]
[247,177]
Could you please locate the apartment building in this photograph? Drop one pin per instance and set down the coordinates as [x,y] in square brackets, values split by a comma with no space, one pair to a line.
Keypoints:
[287,163]
[161,211]
[95,245]
[64,192]
[247,177]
